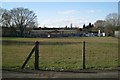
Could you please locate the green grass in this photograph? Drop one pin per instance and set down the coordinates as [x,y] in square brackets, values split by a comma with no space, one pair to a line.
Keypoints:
[101,53]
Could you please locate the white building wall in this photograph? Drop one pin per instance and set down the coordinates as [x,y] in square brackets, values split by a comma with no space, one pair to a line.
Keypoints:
[117,34]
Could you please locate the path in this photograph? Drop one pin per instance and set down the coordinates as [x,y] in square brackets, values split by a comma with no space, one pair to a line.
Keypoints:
[53,74]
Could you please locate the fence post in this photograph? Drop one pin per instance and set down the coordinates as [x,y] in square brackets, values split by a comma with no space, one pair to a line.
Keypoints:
[83,55]
[36,65]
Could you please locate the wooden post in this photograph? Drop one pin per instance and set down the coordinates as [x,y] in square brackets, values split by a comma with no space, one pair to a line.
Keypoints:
[36,65]
[36,49]
[83,55]
[28,58]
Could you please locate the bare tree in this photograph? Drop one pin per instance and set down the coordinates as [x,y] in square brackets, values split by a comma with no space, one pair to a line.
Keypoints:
[112,19]
[99,25]
[23,18]
[112,23]
[5,22]
[1,14]
[5,18]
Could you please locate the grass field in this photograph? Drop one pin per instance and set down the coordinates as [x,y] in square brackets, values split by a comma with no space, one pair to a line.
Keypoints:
[62,54]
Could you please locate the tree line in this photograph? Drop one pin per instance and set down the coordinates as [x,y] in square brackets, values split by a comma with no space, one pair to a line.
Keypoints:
[109,25]
[23,20]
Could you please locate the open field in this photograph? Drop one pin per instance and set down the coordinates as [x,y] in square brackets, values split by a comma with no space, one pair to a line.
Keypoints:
[61,53]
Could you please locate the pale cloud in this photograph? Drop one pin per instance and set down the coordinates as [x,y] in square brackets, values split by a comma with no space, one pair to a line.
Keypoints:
[69,12]
[93,11]
[69,16]
[67,20]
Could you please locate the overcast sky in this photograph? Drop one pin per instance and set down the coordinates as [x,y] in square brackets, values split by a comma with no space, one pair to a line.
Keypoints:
[60,14]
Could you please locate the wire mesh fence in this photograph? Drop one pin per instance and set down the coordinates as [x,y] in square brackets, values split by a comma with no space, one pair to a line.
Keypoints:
[62,55]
